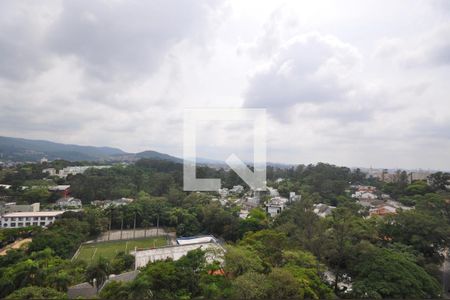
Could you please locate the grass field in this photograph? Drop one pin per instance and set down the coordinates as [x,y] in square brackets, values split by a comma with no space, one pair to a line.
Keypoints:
[108,250]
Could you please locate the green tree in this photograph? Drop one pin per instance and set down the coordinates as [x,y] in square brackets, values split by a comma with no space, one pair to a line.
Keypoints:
[239,260]
[419,187]
[116,290]
[281,284]
[34,292]
[439,180]
[250,286]
[342,236]
[384,273]
[268,243]
[39,194]
[122,262]
[426,233]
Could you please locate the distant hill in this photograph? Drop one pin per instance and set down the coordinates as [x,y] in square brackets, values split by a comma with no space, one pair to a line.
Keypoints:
[145,154]
[18,149]
[21,150]
[158,155]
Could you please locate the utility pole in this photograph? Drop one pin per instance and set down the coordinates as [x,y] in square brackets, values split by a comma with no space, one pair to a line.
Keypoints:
[121,227]
[110,223]
[134,228]
[157,225]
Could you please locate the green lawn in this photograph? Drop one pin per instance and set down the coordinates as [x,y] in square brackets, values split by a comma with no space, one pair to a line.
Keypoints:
[110,249]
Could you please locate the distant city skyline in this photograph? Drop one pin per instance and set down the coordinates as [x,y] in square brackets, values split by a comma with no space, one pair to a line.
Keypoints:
[366,86]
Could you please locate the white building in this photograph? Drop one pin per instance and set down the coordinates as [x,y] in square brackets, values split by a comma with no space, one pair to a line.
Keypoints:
[59,188]
[243,213]
[237,189]
[12,207]
[70,202]
[72,170]
[293,197]
[364,195]
[275,206]
[223,192]
[23,219]
[5,186]
[273,192]
[50,171]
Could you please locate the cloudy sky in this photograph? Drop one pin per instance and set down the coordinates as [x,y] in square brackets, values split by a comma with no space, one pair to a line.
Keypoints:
[350,82]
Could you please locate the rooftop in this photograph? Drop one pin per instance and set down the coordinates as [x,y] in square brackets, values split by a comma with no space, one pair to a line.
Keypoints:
[35,214]
[59,187]
[195,240]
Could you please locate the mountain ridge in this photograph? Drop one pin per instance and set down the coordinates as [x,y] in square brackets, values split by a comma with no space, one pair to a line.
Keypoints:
[21,150]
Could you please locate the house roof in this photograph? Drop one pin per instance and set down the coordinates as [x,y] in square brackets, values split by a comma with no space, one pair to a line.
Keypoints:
[124,277]
[59,187]
[84,290]
[195,240]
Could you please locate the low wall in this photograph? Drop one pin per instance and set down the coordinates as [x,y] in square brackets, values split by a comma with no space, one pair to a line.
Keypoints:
[143,257]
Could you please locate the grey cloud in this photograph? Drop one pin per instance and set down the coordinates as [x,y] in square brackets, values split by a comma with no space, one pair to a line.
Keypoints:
[21,45]
[307,69]
[122,39]
[430,50]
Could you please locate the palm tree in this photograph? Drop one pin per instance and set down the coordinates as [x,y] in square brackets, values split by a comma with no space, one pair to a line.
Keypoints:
[110,209]
[137,212]
[97,273]
[61,281]
[146,223]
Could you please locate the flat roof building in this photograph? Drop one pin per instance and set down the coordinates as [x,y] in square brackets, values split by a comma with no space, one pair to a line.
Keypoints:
[12,207]
[24,219]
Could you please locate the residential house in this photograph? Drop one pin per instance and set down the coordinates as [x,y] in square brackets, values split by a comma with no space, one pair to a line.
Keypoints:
[276,205]
[243,213]
[62,190]
[323,210]
[273,192]
[382,210]
[5,186]
[69,202]
[237,189]
[112,203]
[223,192]
[364,195]
[293,197]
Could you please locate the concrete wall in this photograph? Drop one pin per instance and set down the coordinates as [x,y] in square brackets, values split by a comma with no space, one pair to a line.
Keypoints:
[143,257]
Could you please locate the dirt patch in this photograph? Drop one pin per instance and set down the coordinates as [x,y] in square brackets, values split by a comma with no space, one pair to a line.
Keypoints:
[15,245]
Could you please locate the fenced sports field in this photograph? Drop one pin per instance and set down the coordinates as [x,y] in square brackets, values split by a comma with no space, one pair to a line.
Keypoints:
[91,251]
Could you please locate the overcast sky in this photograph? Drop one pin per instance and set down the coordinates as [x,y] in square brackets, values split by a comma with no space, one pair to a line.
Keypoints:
[349,82]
